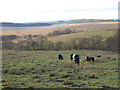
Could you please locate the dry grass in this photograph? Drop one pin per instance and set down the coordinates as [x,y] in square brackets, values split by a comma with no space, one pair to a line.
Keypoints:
[84,27]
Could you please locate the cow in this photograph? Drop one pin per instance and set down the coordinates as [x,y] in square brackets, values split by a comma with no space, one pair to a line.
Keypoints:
[60,57]
[99,55]
[77,60]
[89,58]
[73,56]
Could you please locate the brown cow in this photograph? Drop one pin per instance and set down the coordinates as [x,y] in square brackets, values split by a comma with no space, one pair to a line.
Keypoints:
[89,58]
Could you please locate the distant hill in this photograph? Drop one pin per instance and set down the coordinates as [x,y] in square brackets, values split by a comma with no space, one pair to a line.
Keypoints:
[83,21]
[7,24]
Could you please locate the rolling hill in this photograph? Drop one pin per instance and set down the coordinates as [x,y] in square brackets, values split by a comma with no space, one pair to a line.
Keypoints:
[68,37]
[81,27]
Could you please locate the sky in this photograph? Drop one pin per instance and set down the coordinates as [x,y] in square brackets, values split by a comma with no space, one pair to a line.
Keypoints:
[20,11]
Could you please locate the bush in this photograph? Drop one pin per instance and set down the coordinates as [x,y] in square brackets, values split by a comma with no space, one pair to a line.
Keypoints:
[58,32]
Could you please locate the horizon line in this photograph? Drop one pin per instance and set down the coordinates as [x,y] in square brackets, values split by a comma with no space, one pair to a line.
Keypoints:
[57,20]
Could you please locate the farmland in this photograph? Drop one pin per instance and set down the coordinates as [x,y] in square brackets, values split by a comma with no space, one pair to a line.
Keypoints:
[33,63]
[42,69]
[81,27]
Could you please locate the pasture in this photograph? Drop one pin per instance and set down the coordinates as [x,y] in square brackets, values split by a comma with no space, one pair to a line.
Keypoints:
[42,69]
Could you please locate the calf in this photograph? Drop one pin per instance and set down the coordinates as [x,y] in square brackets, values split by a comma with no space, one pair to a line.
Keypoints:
[60,56]
[89,58]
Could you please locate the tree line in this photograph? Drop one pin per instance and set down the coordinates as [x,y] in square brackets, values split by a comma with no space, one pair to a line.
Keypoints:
[42,43]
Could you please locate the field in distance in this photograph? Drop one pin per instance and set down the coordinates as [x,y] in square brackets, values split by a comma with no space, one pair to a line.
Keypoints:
[82,27]
[68,37]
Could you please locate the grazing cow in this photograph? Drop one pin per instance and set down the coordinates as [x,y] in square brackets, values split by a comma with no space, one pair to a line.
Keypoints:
[99,55]
[77,60]
[89,58]
[60,56]
[73,56]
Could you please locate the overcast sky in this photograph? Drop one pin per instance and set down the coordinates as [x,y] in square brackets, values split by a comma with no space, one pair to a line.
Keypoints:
[49,10]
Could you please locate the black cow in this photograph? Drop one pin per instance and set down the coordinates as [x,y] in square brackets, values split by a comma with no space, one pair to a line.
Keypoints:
[99,55]
[60,56]
[73,56]
[89,58]
[77,60]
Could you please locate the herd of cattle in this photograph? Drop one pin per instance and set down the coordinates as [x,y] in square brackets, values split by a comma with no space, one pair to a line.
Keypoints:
[77,58]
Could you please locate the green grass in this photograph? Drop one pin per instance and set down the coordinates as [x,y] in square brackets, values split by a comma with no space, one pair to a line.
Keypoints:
[68,37]
[42,69]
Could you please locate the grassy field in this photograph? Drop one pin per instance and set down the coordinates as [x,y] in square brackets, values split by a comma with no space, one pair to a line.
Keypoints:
[68,37]
[42,69]
[84,27]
